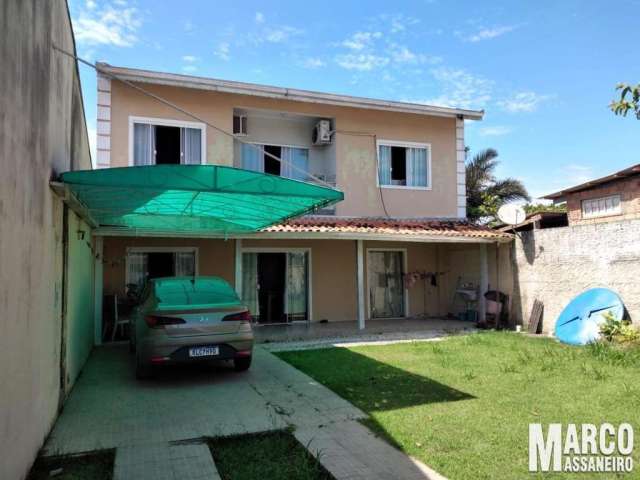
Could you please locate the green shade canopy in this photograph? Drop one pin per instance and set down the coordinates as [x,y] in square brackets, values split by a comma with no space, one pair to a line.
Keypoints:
[198,199]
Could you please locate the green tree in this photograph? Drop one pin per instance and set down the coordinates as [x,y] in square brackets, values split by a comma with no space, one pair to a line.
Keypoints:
[629,100]
[542,207]
[485,193]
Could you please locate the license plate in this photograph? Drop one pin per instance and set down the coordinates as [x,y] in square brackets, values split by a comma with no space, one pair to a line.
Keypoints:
[203,351]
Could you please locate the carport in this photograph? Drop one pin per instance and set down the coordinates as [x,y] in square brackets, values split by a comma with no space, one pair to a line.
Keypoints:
[183,200]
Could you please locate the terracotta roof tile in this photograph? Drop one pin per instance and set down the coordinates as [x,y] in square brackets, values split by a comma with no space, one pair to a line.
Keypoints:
[384,226]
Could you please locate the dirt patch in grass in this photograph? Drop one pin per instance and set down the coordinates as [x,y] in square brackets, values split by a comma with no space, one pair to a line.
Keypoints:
[91,466]
[272,455]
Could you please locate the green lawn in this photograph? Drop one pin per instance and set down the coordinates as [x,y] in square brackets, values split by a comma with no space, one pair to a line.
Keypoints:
[273,456]
[463,405]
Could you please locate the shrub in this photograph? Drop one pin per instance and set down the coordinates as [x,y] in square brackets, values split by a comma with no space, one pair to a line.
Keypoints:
[619,331]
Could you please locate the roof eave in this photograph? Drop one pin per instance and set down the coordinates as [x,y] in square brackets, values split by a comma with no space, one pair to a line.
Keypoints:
[422,238]
[627,172]
[241,88]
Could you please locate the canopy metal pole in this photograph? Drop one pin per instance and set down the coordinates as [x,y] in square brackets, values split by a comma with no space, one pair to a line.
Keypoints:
[360,283]
[238,269]
[484,283]
[98,290]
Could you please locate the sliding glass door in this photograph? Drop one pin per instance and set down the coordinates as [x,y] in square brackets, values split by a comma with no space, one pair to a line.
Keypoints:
[295,160]
[297,288]
[275,285]
[386,286]
[143,265]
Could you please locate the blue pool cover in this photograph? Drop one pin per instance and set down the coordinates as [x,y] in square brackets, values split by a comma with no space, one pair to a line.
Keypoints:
[579,323]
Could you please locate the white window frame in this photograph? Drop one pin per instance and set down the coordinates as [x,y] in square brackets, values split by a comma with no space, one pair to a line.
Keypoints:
[167,122]
[405,263]
[613,213]
[157,250]
[306,250]
[397,143]
[281,145]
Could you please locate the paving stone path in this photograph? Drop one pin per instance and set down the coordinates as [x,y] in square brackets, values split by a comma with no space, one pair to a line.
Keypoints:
[157,426]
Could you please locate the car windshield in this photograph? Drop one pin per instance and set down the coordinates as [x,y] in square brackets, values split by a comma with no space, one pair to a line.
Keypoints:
[193,291]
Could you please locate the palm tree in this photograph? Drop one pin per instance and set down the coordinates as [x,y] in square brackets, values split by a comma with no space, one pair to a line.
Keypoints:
[485,194]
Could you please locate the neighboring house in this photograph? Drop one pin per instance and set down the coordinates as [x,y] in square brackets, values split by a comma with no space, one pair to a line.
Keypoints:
[536,221]
[400,166]
[611,198]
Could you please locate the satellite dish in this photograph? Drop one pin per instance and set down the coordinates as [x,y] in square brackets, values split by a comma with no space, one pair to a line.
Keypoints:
[511,214]
[579,323]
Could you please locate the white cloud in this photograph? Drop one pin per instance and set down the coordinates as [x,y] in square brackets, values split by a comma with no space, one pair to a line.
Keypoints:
[369,50]
[488,33]
[259,17]
[361,61]
[402,54]
[460,89]
[396,23]
[188,26]
[114,24]
[281,34]
[222,51]
[313,62]
[399,23]
[360,40]
[495,131]
[523,102]
[277,34]
[574,174]
[190,61]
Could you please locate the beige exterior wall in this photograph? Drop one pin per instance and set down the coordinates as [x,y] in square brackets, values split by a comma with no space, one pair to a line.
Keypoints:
[333,269]
[356,158]
[42,133]
[215,257]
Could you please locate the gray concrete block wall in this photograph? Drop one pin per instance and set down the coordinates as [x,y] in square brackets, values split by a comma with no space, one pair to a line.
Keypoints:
[555,265]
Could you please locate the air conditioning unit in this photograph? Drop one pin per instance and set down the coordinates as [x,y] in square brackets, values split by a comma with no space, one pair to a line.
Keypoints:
[322,133]
[240,125]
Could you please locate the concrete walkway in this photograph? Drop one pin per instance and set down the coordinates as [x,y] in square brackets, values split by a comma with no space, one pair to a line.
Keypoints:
[164,461]
[397,328]
[108,408]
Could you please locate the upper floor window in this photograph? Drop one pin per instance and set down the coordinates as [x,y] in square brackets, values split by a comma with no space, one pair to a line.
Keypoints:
[156,142]
[601,207]
[404,165]
[259,158]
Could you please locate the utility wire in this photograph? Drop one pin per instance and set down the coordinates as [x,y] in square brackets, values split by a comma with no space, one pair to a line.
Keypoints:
[189,114]
[375,149]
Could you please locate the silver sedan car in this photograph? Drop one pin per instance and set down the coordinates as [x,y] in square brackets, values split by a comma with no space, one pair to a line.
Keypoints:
[190,319]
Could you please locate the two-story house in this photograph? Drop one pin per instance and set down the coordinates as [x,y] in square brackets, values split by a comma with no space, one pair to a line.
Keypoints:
[398,245]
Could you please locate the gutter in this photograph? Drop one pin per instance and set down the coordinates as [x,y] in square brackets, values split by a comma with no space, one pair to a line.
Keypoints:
[118,232]
[307,96]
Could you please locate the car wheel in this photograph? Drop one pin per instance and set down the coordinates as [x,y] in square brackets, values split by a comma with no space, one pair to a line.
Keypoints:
[242,364]
[143,370]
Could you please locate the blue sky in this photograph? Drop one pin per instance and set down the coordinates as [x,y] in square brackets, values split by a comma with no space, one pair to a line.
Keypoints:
[544,71]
